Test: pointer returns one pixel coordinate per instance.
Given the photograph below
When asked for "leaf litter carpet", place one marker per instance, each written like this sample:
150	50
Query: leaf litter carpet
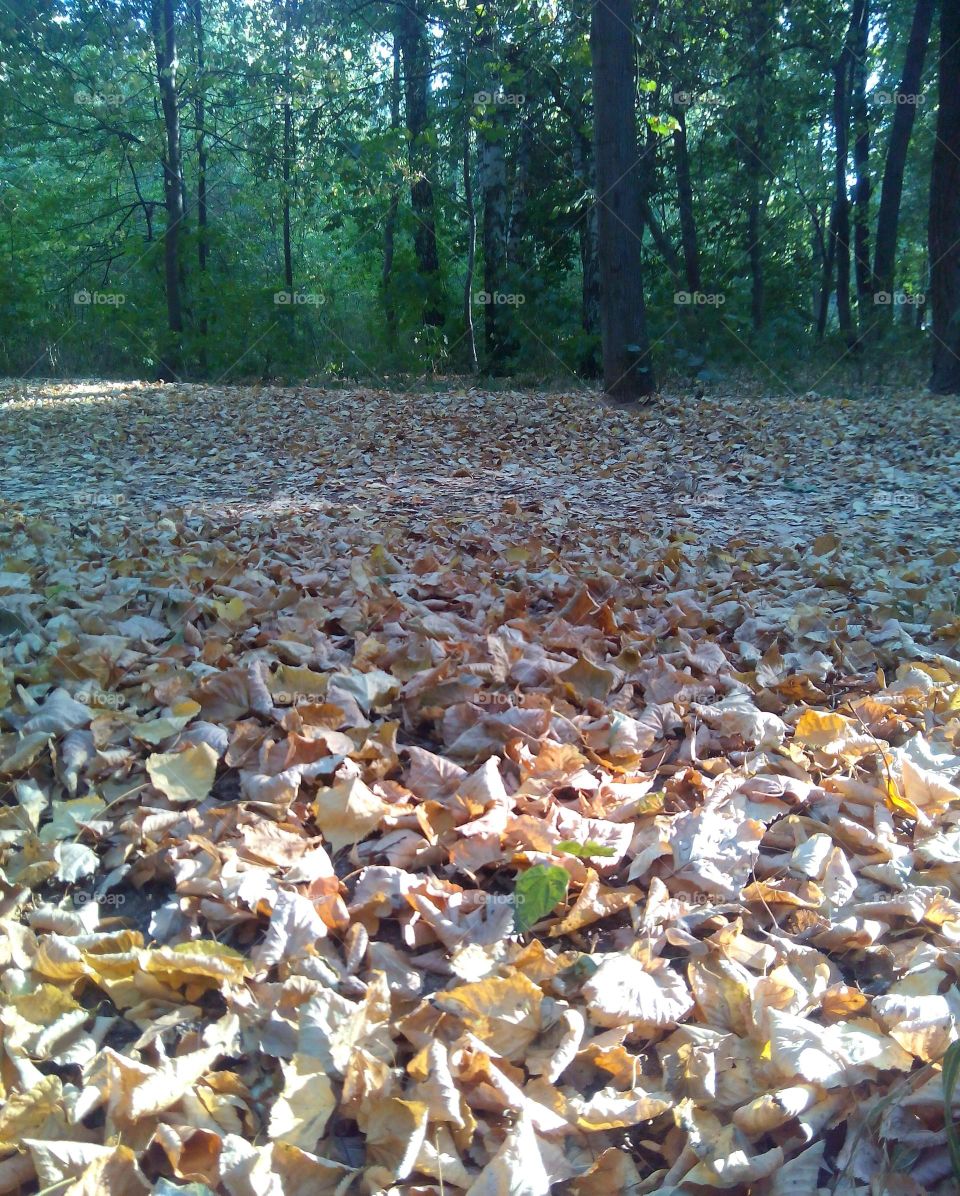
470	792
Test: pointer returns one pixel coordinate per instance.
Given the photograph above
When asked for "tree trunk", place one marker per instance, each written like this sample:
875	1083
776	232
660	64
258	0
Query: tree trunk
165	46
415	55
201	147
841	224
471	247
627	366
760	27
904	112
583	169
861	165
688	224
944	230
201	144
288	148
493	187
826	282
648	185
390	224
839	250
287	248
520	194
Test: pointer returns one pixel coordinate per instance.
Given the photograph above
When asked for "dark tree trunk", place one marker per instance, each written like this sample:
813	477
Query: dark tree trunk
165	46
201	144
390	224
660	239
471	247
760	28
520	194
288	147
470	210
648	186
688	224
493	185
904	112
861	165
583	169
839	251
826	281
627	366
201	147
841	201
493	188
944	233
415	55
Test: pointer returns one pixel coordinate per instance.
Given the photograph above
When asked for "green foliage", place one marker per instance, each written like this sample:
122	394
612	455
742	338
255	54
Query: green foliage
82	196
537	892
584	851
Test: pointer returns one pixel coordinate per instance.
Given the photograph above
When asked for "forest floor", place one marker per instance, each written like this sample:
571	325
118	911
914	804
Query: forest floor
470	791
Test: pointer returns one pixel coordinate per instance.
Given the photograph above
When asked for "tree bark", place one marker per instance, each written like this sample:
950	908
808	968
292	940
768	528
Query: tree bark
493	190
646	172
390	224
288	148
201	148
201	144
520	194
760	26
583	170
415	55
471	247
165	47
944	227
861	166
841	201
627	366
905	110
688	223
493	187
838	254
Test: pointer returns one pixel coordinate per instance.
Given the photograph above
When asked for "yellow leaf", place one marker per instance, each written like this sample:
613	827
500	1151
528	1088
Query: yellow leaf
348	812
586	680
503	1012
203	959
31	1114
291	684
834	734
300	1113
185	776
232	611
